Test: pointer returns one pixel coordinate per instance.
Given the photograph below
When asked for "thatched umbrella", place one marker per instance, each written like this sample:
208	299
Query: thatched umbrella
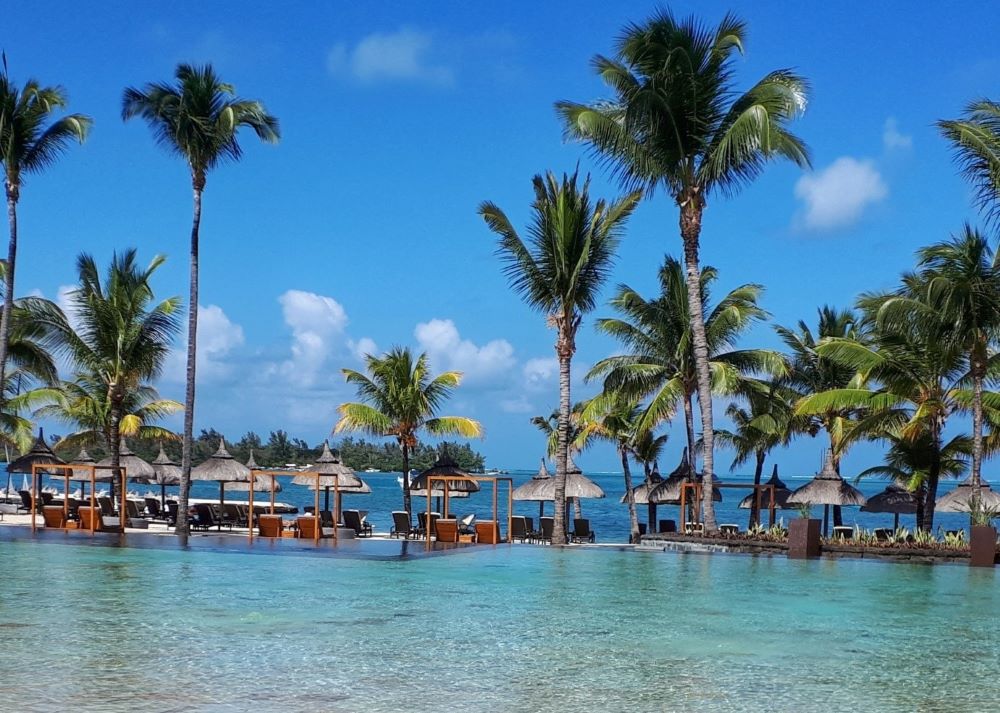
39	454
165	472
578	486
781	493
222	468
330	472
643	494
445	467
959	499
135	467
535	487
894	499
827	489
669	490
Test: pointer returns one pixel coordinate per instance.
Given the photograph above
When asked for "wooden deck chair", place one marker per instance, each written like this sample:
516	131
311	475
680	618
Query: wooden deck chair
54	516
91	518
307	528
446	530
488	532
269	525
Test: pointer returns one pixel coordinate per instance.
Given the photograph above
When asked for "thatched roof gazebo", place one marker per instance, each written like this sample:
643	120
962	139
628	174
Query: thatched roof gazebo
781	493
826	489
135	467
39	454
669	490
445	467
960	499
645	494
222	468
329	472
165	472
534	489
894	499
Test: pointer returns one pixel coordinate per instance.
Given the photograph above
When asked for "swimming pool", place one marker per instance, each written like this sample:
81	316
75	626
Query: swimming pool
507	628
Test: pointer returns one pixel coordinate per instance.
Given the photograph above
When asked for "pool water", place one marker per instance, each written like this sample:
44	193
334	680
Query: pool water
495	629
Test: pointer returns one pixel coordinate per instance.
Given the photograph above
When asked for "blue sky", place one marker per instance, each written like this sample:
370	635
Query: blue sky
359	230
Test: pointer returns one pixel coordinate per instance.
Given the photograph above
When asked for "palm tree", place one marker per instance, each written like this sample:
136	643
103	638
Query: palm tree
400	398
759	429
29	144
975	139
83	404
571	249
614	417
678	122
199	119
660	363
120	337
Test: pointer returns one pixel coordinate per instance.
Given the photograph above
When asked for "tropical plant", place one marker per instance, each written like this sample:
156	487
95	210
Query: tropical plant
571	248
975	139
29	144
118	339
549	426
199	119
659	363
678	123
614	417
400	398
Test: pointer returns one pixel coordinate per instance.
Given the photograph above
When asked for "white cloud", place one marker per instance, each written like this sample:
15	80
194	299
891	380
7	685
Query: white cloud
837	196
403	55
317	322
540	372
218	336
448	351
892	139
519	404
362	347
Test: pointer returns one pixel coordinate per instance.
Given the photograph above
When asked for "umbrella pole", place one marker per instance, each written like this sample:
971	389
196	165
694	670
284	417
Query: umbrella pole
222	501
826	518
163	497
326	498
895	522
315	512
250	515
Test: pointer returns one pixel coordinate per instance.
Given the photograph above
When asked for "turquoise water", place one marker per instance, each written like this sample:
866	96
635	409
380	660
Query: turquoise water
492	629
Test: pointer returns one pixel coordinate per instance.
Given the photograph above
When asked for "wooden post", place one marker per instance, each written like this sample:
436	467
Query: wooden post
93	500
316	520
122	513
336	508
34	489
773	504
683	509
250	514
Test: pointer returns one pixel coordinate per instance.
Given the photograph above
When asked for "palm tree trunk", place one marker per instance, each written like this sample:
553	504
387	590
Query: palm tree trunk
691	209
565	352
978	370
192	353
633	518
8	299
689	429
114	444
406	482
933	476
754	510
838	514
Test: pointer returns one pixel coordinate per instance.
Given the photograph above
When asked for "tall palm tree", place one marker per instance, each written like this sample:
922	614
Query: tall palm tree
975	139
659	363
571	248
83	404
400	398
30	142
614	417
120	335
678	122
199	119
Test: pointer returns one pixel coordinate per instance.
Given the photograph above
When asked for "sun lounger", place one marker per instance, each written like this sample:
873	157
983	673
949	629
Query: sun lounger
842	532
171	514
92	519
54	516
307	528
230	514
694	528
581	531
729	529
446	530
401	525
25	505
882	534
204	517
488	532
519	528
352	519
465	524
547	524
529	525
107	507
269	525
134	516
667	526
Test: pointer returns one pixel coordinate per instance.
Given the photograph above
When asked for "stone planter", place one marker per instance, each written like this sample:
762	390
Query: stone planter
983	546
803	538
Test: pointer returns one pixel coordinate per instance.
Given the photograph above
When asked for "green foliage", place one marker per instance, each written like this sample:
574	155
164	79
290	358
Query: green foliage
975	139
388	457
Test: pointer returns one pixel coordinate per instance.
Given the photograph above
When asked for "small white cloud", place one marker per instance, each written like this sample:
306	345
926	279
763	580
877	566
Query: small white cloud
316	322
837	196
449	352
519	404
362	347
218	336
540	372
403	55
892	139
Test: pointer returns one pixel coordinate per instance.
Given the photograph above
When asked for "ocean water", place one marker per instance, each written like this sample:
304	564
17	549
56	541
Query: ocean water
93	628
608	517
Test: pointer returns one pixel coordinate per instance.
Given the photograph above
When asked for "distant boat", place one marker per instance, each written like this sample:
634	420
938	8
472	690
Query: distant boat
496	471
370	469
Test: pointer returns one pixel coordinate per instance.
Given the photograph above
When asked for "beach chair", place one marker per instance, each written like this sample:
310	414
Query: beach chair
667	526
518	528
581	531
352	519
107	507
466	524
132	511
204	517
243	515
73	508
882	534
488	533
25	505
230	514
269	525
445	530
694	528
642	529
307	528
401	525
171	514
729	529
843	532
547	524
91	518
529	526
153	509
54	516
